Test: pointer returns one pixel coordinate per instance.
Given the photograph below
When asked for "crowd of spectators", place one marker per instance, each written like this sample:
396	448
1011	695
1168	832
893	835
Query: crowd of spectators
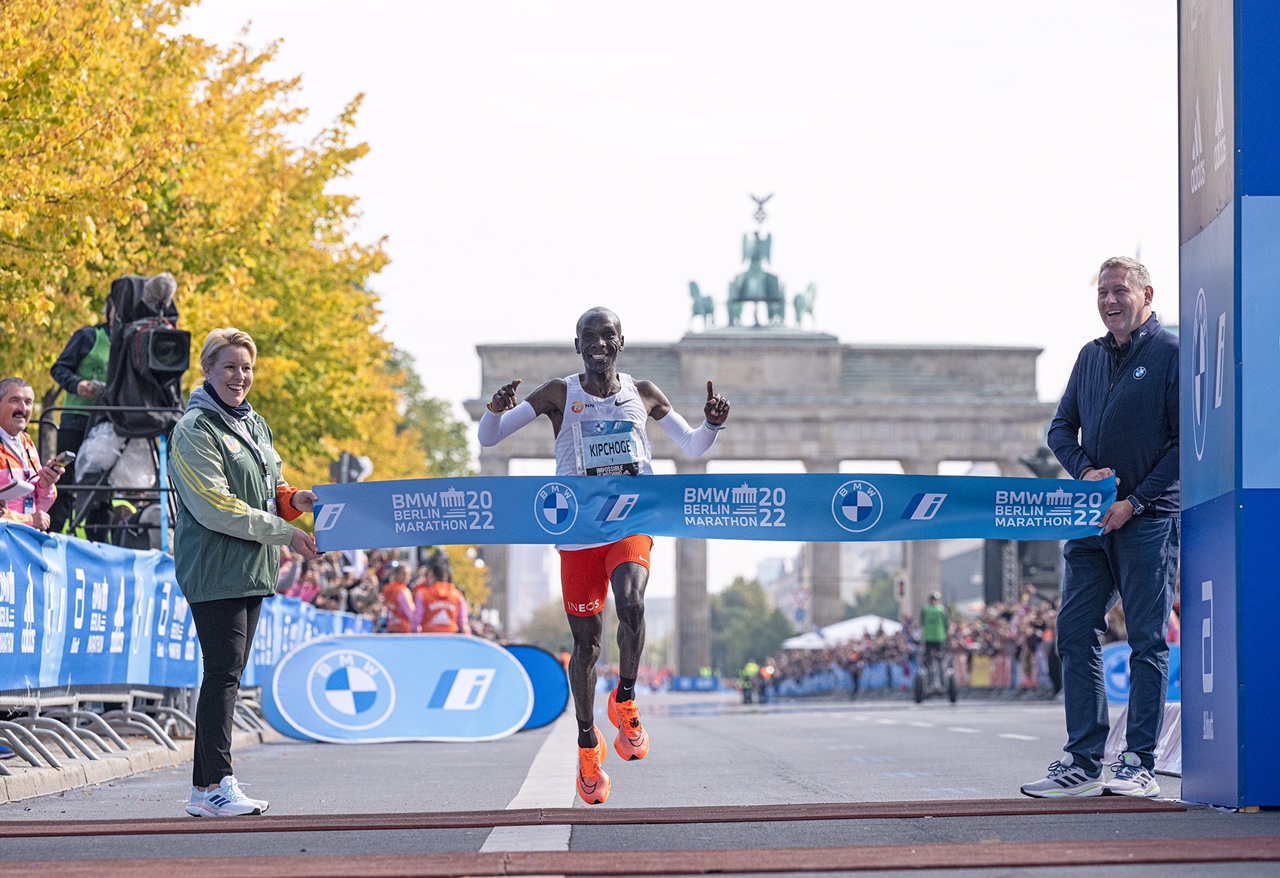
1003	646
354	582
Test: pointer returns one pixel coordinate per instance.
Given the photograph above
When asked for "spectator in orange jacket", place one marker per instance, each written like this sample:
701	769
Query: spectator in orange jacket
440	607
26	486
398	602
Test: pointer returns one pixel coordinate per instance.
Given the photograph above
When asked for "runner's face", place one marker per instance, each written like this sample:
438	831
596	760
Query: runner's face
232	374
599	341
16	408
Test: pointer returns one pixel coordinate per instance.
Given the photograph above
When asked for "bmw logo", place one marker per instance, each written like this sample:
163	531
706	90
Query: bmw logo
1200	374
1140	372
857	506
350	690
555	508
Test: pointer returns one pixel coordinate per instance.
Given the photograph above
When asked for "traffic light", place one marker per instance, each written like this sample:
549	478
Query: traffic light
349	468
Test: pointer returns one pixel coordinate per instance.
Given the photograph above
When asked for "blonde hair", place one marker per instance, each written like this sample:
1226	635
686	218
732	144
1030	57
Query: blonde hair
221	339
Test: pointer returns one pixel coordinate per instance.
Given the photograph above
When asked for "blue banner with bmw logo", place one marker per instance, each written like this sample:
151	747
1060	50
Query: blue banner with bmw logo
811	507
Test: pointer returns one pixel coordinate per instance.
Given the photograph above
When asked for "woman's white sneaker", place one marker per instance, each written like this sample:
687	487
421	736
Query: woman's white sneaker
227	800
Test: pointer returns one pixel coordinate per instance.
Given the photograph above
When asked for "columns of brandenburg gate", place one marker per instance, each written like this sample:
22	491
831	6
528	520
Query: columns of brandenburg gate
822	562
693	610
924	564
497	558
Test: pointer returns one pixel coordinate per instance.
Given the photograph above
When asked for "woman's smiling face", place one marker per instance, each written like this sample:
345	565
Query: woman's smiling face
232	374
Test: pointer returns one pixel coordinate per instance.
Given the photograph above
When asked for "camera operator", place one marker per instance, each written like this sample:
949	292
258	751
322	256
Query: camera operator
81	370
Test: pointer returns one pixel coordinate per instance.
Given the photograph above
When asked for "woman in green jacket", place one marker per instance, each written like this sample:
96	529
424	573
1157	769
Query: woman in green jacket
234	510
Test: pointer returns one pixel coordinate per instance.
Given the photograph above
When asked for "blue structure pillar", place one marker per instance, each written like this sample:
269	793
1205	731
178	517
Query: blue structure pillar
1229	142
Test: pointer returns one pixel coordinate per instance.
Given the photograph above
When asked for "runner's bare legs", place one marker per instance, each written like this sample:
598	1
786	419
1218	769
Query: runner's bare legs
629	581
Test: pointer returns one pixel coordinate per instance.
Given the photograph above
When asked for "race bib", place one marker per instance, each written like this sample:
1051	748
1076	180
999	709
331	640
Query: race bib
606	448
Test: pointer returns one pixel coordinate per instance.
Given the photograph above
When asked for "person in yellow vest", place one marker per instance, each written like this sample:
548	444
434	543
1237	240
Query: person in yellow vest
439	606
81	370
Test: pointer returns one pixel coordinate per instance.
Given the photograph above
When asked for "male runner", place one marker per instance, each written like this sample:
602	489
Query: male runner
603	400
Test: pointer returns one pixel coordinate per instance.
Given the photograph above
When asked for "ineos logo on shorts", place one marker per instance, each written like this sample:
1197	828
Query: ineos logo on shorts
857	506
555	508
327	517
350	690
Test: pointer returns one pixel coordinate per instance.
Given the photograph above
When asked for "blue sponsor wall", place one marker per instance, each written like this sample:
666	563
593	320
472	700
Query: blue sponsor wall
79	613
1229	144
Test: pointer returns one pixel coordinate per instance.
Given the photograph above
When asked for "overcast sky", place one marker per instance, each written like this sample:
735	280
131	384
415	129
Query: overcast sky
943	172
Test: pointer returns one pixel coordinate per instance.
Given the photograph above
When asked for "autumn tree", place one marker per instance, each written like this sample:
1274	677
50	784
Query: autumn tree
744	626
128	147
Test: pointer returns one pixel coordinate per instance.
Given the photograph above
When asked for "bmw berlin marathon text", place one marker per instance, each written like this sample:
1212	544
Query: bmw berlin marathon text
447	510
1058	508
744	506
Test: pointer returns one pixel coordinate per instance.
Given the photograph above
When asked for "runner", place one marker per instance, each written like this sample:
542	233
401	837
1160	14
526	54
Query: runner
601	401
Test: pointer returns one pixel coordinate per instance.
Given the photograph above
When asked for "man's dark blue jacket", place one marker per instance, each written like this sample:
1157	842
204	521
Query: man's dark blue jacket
1120	410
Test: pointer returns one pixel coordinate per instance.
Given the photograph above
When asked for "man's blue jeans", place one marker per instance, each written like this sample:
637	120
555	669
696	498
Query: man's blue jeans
1139	563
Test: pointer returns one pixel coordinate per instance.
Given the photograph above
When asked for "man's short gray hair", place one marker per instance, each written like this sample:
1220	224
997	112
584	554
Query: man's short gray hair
4	384
1138	273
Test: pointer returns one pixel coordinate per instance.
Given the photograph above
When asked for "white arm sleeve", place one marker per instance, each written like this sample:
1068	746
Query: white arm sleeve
692	440
495	428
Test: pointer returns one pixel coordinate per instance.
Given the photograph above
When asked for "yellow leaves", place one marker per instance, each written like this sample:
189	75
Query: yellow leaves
136	150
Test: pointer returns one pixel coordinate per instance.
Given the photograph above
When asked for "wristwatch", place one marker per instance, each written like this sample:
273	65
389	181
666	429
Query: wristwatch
1138	508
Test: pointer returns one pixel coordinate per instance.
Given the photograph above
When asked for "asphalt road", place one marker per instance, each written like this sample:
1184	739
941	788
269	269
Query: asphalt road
709	751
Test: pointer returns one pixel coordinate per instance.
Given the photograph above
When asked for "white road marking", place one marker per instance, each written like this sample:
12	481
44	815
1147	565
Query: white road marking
920	725
1014	737
549	784
964	730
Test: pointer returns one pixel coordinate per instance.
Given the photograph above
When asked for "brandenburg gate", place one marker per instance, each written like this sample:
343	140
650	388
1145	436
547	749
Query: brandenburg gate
801	395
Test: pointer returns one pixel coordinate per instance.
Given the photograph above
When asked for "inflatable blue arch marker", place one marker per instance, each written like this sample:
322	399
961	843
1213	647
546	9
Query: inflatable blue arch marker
370	688
550	683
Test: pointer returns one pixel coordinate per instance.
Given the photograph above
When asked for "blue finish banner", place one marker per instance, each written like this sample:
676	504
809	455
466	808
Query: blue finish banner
812	507
74	613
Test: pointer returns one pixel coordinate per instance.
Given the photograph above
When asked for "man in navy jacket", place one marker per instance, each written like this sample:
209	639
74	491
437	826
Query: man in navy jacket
1118	419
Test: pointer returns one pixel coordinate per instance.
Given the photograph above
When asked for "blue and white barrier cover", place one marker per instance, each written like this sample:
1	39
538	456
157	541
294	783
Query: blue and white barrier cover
398	687
811	507
74	612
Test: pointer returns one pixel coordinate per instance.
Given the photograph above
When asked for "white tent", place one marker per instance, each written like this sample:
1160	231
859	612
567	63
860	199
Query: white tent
859	628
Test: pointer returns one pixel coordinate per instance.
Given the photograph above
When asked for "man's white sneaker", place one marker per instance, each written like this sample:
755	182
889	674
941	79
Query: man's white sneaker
228	800
1131	779
1065	779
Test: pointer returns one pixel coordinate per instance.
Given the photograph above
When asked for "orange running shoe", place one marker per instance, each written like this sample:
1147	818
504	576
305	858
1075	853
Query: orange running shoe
593	783
633	741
